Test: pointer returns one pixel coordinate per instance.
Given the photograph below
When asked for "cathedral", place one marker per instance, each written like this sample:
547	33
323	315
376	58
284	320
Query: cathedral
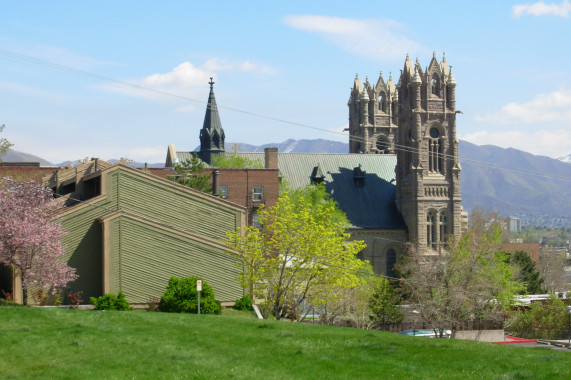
400	182
416	120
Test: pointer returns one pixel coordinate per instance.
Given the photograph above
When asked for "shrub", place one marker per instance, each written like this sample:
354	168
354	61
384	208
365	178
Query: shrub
111	302
181	297
74	298
244	303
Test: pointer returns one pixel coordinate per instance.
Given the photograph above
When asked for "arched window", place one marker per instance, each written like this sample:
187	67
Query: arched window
383	144
391	261
431	239
435	85
434	151
443	222
382	102
408	151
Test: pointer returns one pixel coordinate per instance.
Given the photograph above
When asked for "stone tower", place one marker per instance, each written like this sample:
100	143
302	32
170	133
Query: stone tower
211	134
416	119
428	170
372	116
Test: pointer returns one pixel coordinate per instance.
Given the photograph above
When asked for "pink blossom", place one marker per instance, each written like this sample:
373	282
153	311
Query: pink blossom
29	238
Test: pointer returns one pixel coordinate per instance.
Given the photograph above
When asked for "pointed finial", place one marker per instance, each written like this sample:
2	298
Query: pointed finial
417	61
356	75
434	54
211	83
444	56
390	75
407	56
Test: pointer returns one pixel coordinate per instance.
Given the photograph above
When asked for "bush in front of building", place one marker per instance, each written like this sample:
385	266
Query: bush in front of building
111	302
181	296
244	304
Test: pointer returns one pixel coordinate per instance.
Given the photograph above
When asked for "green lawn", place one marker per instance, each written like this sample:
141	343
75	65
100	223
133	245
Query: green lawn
50	343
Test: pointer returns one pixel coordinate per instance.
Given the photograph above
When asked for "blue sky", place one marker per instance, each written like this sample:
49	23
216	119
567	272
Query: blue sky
64	67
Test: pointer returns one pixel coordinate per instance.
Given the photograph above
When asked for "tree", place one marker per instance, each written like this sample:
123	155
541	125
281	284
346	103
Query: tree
236	162
552	269
384	303
471	281
301	250
190	173
349	305
540	321
526	272
30	242
4	144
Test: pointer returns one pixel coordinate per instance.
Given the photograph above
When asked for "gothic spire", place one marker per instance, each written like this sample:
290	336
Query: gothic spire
211	134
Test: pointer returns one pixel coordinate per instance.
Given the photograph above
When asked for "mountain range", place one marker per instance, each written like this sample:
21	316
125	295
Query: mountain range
513	182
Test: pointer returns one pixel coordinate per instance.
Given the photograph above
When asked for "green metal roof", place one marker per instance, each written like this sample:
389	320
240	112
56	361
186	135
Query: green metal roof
368	200
370	205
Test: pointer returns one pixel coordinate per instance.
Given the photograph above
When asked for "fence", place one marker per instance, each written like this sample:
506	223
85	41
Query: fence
463	326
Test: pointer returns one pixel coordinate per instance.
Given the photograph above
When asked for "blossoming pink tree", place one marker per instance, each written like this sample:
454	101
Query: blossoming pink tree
30	241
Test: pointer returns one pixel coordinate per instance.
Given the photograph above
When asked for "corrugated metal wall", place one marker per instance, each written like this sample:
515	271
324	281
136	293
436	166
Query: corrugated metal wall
165	204
149	256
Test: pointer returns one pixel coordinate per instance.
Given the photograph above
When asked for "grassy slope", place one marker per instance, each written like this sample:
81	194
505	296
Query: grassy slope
58	343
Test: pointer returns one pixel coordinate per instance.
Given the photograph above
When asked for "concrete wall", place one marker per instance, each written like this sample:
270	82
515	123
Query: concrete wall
481	335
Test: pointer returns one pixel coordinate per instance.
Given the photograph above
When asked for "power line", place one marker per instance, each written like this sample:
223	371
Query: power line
17	57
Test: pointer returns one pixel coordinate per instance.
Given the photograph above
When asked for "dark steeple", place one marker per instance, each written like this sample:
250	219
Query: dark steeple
211	134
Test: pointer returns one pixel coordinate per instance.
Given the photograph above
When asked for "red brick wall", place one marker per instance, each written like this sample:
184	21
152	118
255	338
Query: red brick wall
24	172
240	184
532	249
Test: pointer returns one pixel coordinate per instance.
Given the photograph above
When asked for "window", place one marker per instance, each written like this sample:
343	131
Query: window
382	102
223	192
256	221
391	261
443	226
431	229
434	151
383	143
435	84
258	192
91	188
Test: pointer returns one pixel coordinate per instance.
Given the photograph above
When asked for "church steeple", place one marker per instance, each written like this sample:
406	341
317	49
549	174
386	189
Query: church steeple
211	135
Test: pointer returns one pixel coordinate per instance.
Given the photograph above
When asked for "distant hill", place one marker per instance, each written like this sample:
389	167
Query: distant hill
515	182
292	146
15	156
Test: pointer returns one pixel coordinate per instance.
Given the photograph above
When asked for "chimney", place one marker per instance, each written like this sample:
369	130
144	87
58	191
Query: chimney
215	186
271	158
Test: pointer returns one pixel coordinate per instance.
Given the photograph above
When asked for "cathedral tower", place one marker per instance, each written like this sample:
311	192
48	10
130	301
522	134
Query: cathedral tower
428	170
416	120
211	134
372	116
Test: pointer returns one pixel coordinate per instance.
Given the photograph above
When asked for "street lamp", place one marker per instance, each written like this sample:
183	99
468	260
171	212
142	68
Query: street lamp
569	325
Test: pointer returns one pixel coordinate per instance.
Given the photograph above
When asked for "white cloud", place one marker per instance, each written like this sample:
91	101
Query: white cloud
551	143
541	9
184	75
551	107
378	39
183	79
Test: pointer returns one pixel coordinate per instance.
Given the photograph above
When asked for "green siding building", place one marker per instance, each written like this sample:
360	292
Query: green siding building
129	230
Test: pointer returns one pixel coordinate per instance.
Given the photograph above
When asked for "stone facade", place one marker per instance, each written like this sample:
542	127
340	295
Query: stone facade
416	120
